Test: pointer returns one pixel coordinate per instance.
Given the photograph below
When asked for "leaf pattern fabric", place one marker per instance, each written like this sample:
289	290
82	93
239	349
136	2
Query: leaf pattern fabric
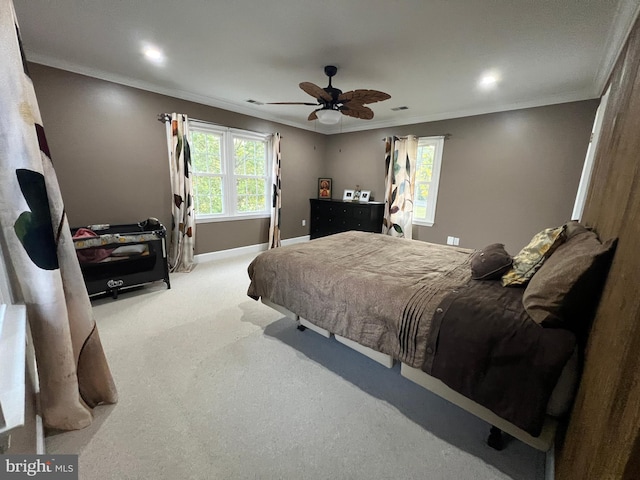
37	248
400	173
274	226
183	221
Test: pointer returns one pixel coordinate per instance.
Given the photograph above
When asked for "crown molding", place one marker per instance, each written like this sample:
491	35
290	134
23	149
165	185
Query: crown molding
315	127
585	94
150	87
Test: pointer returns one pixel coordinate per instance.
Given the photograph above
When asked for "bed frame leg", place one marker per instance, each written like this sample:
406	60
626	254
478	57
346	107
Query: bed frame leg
495	438
302	328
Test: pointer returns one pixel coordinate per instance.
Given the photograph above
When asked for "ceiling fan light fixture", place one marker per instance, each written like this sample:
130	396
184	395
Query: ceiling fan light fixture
328	116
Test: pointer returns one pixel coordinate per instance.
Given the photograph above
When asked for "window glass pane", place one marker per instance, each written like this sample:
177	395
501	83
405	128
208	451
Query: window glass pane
421	200
205	152
213	153
424	169
208	195
422	192
249	157
251	197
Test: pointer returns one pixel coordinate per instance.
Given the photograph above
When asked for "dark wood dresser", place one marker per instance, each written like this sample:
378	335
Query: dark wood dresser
335	216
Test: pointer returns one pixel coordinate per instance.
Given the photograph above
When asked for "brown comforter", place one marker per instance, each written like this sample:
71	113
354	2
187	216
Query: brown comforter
488	349
416	302
376	290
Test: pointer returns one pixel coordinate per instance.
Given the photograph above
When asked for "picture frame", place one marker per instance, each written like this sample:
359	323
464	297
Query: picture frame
364	196
348	195
325	188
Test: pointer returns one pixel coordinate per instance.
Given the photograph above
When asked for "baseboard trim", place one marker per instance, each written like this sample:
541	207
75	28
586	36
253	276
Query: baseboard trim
235	252
291	241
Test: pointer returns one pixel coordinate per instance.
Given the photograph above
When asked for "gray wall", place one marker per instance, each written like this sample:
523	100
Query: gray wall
504	177
110	154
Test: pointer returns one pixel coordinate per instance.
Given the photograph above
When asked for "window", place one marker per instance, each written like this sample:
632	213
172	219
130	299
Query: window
427	178
587	168
230	170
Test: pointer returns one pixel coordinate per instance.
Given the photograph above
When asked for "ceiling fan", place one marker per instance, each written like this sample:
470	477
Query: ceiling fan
333	102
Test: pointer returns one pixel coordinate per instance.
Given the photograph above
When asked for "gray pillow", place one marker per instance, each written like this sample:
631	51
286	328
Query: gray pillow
490	263
563	289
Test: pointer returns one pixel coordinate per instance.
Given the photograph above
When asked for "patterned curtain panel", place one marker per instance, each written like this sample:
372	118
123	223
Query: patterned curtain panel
183	221
274	227
39	253
400	167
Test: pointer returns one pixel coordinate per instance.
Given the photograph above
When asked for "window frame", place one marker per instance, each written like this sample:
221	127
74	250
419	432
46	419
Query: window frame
438	143
227	160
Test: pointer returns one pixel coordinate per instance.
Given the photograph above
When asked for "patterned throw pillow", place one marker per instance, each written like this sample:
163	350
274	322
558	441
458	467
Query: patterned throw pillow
530	258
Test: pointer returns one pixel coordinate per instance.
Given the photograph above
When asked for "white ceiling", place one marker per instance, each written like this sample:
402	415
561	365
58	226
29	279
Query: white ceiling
427	54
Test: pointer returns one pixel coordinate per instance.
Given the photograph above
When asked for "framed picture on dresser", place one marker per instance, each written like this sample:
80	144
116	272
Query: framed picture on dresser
348	195
365	195
324	188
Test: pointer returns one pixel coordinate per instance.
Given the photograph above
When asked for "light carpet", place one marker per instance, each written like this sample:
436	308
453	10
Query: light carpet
214	385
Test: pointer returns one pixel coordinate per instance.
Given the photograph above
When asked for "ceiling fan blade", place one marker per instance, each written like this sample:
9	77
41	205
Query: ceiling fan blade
315	91
363	96
292	103
312	115
357	110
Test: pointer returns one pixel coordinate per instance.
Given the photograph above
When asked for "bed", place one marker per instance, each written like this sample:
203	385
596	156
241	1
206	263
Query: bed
443	312
117	257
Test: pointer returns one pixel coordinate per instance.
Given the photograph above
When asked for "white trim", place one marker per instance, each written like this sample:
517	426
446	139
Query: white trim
281	309
438	143
294	240
169	92
227	136
585	94
587	168
550	463
13	345
230	253
235	252
381	358
307	324
316	127
220	218
543	442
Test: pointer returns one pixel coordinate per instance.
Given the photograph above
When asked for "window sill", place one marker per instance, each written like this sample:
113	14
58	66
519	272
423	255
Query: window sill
422	224
252	216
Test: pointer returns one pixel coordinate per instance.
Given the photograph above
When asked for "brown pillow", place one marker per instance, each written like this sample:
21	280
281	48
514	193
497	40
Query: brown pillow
573	228
490	263
564	288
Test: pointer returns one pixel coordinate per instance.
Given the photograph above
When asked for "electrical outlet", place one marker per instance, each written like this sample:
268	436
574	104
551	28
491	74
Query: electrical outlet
450	240
304	223
456	241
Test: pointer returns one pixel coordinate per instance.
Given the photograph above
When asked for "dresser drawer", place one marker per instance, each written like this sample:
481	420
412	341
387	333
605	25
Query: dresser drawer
335	216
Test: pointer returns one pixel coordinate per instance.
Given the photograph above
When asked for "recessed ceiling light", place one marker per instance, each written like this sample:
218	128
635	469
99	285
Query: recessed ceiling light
488	81
153	54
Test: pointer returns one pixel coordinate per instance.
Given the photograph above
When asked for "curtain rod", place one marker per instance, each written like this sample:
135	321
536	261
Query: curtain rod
446	136
166	117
